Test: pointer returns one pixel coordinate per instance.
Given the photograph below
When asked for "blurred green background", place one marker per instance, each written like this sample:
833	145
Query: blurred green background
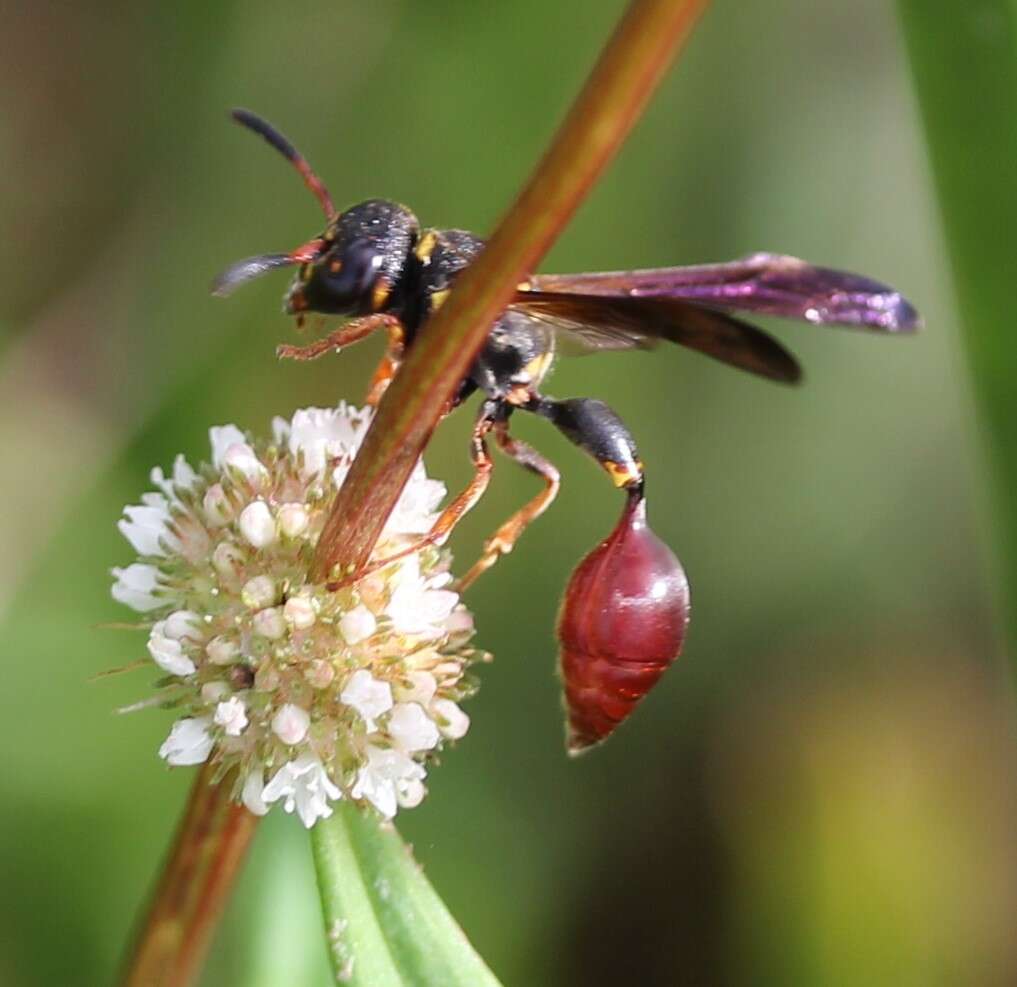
820	792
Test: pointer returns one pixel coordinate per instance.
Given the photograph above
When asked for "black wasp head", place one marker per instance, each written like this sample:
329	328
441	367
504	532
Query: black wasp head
353	267
360	263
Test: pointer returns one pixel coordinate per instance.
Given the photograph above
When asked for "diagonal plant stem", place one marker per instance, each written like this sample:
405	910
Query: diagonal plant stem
203	863
615	94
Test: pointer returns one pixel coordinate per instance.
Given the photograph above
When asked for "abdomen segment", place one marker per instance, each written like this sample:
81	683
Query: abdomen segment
622	622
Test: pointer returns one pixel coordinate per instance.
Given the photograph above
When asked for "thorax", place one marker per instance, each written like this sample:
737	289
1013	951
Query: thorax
519	350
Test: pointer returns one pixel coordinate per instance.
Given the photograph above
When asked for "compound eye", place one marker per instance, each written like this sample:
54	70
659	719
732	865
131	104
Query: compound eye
351	268
342	280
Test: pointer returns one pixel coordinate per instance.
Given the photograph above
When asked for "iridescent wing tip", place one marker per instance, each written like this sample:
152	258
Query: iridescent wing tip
839	298
767	284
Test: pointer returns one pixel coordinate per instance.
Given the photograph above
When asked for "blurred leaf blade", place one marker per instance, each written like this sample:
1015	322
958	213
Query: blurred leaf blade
964	62
385	923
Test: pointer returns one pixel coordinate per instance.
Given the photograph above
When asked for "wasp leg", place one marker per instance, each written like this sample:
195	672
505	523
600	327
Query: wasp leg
504	539
345	335
482	465
389	365
598	431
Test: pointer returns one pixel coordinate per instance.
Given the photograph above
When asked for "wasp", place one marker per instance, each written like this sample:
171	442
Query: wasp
626	608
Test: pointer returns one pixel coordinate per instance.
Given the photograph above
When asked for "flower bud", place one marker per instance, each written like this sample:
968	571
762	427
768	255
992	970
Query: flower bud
222	651
451	720
357	625
417	687
269	623
291	723
299	613
260	592
216	506
411	793
320	674
293	520
460	621
228	560
240	456
257	524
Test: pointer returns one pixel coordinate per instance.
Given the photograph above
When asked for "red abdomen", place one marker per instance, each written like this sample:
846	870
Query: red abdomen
622	622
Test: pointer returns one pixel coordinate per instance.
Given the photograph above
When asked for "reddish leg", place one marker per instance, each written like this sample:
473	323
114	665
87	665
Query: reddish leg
345	335
455	511
504	539
389	365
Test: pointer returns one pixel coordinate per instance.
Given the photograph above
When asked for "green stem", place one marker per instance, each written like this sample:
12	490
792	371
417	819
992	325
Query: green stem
614	96
385	924
964	61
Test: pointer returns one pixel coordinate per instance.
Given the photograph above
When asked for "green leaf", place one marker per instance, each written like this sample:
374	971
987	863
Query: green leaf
386	925
964	61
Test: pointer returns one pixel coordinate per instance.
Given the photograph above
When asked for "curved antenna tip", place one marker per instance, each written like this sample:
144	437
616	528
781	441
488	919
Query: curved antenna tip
264	129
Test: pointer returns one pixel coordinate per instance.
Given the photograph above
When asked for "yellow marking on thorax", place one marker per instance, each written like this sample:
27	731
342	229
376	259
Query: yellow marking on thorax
425	246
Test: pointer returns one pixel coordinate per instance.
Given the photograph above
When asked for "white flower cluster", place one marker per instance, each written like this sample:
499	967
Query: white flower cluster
312	695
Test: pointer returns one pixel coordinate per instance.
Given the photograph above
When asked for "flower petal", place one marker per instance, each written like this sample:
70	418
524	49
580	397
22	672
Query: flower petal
358	624
146	527
383	776
305	786
189	742
231	715
251	795
167	652
411	729
452	721
221	437
136	586
369	696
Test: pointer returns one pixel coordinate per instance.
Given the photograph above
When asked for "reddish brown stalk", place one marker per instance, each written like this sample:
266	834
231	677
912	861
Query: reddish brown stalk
196	880
615	94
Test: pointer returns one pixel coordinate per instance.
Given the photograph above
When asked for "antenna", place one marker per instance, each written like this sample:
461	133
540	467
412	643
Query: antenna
262	127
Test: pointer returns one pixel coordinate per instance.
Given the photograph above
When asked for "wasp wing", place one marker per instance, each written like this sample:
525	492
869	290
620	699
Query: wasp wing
770	284
592	323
